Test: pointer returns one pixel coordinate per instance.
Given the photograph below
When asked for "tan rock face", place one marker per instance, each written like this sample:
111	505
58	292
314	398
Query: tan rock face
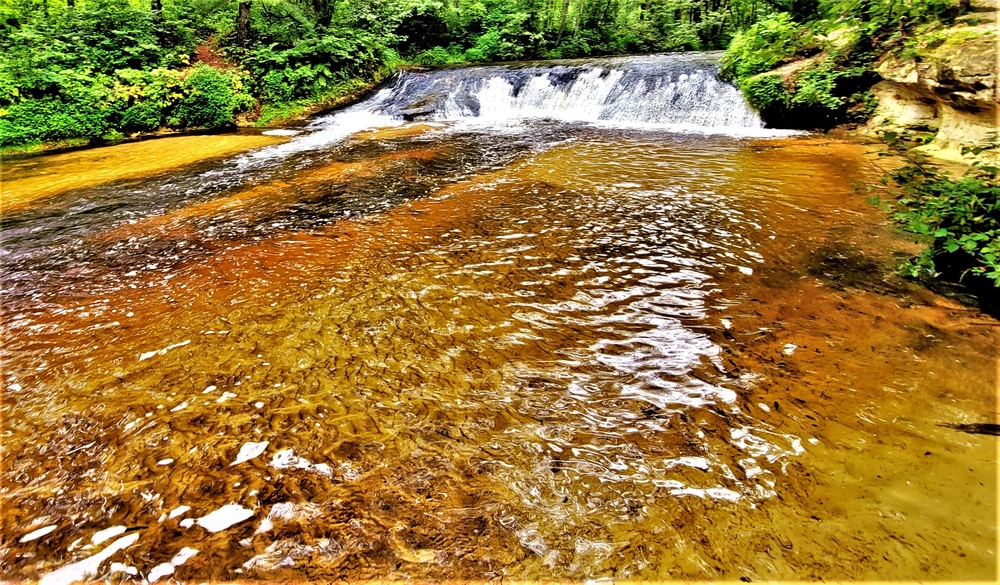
949	87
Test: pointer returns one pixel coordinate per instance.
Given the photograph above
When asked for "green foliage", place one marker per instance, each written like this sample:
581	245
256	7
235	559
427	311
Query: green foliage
493	45
46	57
816	87
762	46
208	18
844	39
438	56
102	67
861	106
211	99
48	119
961	218
879	17
141	118
765	91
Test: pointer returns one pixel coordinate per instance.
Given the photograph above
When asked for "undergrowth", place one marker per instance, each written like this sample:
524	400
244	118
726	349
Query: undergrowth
832	58
959	218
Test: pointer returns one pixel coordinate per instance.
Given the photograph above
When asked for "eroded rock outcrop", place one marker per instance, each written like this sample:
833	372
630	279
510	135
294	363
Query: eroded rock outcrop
945	87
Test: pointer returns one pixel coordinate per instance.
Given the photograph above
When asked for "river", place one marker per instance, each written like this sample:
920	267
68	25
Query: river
587	320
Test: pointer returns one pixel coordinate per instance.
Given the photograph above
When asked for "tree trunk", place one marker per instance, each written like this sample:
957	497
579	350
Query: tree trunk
243	23
604	16
562	23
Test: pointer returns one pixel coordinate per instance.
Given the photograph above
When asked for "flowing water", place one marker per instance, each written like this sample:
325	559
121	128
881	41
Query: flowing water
546	321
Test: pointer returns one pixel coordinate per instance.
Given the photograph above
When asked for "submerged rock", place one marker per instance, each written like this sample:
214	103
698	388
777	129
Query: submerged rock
423	108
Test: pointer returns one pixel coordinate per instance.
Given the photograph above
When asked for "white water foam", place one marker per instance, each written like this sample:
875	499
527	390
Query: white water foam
325	132
224	517
88	567
672	93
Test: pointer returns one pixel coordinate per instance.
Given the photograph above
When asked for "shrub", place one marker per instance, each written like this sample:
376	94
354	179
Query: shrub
476	55
762	46
435	56
493	45
684	37
815	87
160	88
575	46
141	118
51	119
274	87
765	91
961	217
211	99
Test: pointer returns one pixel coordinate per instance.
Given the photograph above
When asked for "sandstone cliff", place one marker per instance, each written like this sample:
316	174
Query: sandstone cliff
944	87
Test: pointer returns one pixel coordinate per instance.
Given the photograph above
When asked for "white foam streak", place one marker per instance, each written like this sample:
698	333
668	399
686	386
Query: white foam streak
88	567
328	130
249	451
108	533
224	517
36	534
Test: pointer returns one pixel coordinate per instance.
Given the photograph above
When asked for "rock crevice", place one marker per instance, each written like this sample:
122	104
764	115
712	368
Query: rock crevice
945	89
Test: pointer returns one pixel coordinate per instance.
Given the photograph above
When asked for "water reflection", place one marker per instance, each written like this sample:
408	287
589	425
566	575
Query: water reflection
437	355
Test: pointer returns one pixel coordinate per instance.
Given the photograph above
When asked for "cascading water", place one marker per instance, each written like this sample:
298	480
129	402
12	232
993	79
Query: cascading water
675	92
662	90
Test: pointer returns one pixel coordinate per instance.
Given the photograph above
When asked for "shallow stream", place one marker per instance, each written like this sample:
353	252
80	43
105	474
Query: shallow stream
537	343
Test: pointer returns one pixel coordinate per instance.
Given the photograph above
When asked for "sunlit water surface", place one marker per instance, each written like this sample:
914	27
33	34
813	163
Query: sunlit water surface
555	351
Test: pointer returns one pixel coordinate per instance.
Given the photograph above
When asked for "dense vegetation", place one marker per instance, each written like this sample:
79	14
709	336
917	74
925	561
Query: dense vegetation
100	68
959	219
813	67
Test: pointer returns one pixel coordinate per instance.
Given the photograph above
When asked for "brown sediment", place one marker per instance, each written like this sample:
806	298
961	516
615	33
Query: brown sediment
264	199
275	266
207	54
28	180
439	358
396	132
874	373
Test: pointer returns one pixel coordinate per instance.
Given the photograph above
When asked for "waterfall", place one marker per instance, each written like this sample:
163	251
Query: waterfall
681	90
678	92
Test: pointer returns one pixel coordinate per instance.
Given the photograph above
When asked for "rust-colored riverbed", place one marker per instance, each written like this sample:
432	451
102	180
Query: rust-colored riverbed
559	352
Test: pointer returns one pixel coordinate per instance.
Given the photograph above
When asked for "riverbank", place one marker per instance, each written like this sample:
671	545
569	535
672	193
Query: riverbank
27	180
923	77
262	116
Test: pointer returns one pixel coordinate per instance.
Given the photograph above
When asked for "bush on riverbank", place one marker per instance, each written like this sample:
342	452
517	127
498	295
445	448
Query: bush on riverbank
102	68
129	101
960	219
